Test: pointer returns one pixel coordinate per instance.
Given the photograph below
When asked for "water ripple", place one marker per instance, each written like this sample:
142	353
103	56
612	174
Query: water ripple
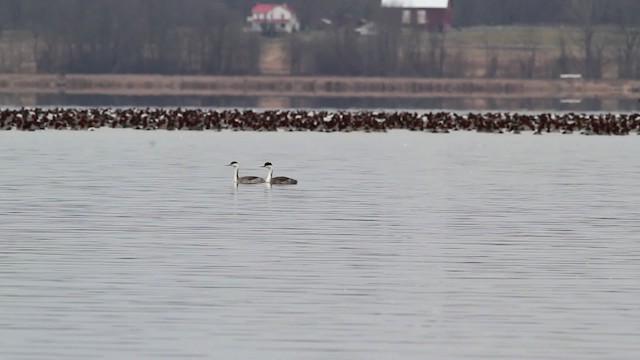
392	245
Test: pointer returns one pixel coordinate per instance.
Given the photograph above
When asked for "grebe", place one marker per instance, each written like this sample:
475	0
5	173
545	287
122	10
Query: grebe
244	179
279	180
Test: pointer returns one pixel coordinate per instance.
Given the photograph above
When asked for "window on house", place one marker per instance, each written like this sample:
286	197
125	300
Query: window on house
406	16
422	17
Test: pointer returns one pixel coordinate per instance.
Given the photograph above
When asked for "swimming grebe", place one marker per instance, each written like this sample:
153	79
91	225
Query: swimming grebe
279	180
244	179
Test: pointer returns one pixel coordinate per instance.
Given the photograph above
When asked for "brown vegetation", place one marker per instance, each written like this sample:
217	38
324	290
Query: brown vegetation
313	86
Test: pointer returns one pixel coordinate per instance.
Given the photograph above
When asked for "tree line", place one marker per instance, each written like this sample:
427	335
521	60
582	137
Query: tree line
208	37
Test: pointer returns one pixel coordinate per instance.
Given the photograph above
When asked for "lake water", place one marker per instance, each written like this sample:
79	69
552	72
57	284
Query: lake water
458	103
122	244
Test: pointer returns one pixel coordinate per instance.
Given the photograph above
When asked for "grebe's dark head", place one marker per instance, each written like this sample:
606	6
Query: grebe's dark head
267	165
233	163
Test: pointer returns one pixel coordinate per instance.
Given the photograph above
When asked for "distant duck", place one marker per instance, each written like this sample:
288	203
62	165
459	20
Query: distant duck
244	179
279	180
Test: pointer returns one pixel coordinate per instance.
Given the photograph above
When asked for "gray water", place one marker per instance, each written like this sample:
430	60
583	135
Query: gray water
447	103
122	244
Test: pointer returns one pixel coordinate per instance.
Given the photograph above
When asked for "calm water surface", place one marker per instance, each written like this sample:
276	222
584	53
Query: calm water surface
122	244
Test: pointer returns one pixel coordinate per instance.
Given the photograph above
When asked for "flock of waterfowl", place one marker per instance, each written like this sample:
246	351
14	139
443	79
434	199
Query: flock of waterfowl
32	119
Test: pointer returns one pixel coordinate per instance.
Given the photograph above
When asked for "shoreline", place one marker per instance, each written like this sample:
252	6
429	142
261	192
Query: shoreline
314	86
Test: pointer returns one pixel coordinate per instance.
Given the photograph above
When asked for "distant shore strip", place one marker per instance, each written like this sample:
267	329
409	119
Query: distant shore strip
314	86
32	119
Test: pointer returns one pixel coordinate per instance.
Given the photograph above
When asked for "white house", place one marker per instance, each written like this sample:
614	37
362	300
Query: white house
273	18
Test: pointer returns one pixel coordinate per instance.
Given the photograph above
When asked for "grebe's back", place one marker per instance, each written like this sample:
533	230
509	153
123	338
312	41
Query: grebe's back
278	180
244	179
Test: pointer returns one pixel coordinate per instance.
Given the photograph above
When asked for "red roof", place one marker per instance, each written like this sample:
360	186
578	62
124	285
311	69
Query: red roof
265	8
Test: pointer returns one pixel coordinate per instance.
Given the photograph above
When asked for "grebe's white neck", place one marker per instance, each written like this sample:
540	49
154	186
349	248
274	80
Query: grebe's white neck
269	174
236	171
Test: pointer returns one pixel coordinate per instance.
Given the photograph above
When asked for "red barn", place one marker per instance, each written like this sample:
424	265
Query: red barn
433	15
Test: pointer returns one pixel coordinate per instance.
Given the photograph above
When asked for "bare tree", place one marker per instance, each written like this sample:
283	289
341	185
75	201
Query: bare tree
586	14
385	47
412	50
628	52
528	63
491	58
564	61
437	53
388	55
628	49
456	66
339	53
